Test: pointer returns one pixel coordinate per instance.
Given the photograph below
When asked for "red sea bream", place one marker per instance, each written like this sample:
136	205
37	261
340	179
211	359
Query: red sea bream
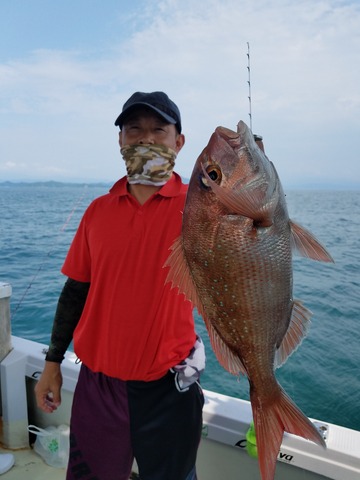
233	260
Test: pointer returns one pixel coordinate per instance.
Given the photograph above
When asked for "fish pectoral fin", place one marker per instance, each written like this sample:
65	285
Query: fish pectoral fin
305	243
251	201
227	359
179	274
297	330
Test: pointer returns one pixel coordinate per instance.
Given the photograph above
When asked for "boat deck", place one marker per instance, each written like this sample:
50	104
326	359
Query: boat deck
30	466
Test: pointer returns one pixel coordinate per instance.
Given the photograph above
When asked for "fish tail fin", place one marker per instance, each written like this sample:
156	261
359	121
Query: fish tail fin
270	423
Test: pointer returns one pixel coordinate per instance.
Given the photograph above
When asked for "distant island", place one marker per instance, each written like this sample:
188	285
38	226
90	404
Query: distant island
53	183
335	186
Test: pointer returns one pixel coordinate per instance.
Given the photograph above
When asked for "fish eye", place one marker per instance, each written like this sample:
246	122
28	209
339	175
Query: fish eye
214	173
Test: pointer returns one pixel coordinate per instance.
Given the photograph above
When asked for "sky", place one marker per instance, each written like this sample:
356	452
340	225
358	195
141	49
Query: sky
67	67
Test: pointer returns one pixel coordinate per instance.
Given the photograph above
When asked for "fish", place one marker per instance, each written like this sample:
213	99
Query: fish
233	261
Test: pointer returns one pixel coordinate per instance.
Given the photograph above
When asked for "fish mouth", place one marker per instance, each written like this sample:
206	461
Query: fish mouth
231	137
211	168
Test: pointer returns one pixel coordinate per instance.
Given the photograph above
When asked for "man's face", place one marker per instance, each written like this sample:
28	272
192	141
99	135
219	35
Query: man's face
143	126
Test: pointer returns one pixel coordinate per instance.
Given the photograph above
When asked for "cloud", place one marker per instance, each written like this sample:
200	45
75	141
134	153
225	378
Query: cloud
59	106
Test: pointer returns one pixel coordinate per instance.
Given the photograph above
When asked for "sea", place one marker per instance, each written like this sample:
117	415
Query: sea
38	222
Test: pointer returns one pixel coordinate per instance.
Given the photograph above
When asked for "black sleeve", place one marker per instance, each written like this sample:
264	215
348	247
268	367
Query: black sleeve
68	312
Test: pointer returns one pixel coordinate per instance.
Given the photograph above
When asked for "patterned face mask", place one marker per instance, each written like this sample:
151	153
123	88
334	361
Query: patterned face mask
148	164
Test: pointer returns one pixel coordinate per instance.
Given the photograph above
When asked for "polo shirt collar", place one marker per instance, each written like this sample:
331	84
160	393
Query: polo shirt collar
171	188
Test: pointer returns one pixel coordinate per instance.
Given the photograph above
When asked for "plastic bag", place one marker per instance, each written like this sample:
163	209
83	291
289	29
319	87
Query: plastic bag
52	444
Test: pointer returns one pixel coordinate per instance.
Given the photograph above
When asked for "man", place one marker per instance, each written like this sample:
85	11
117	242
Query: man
137	395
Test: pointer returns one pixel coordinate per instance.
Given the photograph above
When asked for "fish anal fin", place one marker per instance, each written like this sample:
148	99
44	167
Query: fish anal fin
297	330
179	274
226	357
271	420
305	243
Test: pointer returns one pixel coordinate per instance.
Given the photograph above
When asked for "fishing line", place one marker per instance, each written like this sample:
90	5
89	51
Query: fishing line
62	229
249	85
258	138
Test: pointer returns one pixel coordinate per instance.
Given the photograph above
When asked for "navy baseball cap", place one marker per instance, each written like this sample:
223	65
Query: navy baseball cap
159	102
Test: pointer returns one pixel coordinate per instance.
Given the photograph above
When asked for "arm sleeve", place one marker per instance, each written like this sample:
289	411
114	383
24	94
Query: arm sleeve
68	312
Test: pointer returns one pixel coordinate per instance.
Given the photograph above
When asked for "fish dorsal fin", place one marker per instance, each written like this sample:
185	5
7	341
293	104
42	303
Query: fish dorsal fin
179	274
227	359
305	243
252	201
298	328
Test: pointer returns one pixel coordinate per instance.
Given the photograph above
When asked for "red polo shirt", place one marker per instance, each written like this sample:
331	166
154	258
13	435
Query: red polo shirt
134	326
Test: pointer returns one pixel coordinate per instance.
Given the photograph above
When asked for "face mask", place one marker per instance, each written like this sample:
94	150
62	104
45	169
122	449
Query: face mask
148	164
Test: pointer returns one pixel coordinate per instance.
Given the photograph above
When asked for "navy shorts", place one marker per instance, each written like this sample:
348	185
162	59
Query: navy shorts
113	422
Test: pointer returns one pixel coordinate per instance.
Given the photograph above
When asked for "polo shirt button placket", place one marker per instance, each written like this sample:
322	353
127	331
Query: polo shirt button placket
139	223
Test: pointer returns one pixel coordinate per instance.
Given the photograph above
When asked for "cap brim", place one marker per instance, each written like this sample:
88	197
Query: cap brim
120	119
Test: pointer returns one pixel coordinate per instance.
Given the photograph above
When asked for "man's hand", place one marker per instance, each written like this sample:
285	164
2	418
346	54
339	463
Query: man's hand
47	389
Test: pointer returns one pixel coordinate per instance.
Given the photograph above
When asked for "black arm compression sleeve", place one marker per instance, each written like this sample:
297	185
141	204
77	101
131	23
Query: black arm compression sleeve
68	312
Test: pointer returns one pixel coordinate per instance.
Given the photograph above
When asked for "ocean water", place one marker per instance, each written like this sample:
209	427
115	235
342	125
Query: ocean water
37	225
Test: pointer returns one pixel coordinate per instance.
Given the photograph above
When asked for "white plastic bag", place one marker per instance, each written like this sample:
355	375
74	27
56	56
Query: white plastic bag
52	444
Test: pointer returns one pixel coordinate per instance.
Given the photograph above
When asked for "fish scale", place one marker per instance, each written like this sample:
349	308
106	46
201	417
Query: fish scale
233	260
